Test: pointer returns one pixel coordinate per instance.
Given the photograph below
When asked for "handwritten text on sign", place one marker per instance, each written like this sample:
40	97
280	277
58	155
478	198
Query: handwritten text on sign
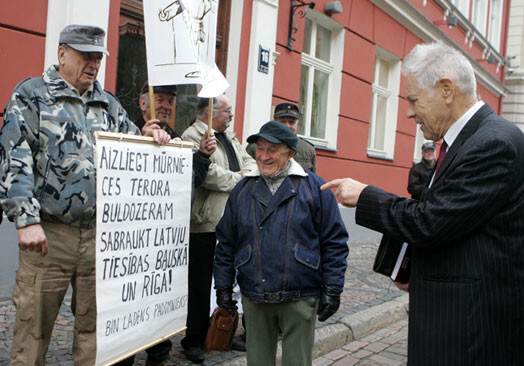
143	207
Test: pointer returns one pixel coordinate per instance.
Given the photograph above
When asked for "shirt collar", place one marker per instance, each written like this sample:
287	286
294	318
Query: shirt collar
87	94
204	126
455	128
59	87
294	169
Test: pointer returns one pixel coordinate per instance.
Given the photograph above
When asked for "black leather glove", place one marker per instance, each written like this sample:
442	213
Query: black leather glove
328	303
225	299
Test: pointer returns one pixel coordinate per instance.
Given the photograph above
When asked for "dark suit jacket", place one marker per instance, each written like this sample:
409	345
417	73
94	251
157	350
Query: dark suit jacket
467	235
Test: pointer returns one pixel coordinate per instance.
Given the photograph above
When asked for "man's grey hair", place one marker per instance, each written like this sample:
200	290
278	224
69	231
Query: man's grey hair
203	106
427	63
145	97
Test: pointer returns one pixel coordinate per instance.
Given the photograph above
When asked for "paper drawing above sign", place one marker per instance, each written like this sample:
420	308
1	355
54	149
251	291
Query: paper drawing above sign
188	26
181	42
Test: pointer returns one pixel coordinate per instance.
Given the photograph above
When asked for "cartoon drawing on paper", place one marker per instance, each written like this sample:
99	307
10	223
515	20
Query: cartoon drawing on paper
189	31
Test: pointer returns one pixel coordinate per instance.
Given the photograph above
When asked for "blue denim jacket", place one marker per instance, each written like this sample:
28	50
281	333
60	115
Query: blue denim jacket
281	247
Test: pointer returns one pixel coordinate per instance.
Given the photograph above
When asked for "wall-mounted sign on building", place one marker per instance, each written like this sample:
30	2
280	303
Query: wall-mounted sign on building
263	59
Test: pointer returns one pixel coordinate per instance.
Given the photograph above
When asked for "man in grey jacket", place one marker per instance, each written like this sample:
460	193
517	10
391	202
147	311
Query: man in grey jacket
47	187
229	163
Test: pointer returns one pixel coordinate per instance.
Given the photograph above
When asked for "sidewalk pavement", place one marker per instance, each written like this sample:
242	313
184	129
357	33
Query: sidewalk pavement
369	302
387	346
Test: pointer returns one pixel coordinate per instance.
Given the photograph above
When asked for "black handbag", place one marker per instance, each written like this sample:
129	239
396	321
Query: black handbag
393	259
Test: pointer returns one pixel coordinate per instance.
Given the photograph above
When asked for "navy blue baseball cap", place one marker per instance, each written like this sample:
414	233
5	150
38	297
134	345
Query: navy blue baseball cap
168	89
286	110
428	146
276	133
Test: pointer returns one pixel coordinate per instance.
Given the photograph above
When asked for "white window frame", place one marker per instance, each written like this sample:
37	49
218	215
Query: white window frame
462	6
479	20
391	93
419	141
495	23
334	70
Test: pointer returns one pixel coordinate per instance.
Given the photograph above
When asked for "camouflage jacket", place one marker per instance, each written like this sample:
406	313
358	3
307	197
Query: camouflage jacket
47	150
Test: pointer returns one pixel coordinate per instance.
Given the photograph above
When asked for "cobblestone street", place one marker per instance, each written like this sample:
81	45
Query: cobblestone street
363	289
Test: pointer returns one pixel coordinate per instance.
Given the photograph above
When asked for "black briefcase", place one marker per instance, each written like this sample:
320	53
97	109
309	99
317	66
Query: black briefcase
393	259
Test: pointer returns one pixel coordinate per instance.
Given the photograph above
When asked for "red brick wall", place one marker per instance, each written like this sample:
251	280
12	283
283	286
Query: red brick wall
22	44
366	26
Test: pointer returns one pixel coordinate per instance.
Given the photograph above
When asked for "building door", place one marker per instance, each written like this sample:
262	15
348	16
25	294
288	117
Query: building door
132	67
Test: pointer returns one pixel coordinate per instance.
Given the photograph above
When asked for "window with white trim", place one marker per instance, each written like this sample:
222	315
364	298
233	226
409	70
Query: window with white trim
479	13
320	80
495	23
384	105
419	140
462	6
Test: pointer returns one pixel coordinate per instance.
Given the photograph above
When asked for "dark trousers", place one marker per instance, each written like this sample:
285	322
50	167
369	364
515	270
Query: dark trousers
157	353
201	254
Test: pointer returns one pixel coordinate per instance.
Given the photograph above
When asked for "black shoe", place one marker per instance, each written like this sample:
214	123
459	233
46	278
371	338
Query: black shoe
194	354
238	345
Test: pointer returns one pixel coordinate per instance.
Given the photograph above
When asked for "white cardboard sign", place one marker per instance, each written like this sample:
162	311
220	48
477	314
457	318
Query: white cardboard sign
142	238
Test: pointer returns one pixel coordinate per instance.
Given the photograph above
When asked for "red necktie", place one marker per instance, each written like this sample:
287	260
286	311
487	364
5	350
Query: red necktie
441	155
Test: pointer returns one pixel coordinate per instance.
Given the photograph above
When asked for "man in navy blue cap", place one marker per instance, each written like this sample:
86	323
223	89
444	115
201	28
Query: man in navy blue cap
284	240
287	114
420	172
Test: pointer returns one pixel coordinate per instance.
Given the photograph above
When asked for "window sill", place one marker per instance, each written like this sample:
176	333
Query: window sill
325	148
376	155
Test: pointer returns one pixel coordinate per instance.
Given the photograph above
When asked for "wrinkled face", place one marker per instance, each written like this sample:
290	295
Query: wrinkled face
80	69
429	111
223	116
272	158
163	107
428	154
290	122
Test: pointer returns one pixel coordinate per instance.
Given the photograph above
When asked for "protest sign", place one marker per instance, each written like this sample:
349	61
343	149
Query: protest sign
142	237
180	44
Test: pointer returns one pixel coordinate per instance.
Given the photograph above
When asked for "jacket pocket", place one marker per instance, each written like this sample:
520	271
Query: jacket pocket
307	257
243	256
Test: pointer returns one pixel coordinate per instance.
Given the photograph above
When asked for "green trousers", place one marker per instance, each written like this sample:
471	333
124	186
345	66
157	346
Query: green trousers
296	319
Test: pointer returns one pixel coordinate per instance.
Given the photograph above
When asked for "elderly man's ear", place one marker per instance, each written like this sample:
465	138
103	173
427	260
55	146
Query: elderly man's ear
142	104
447	88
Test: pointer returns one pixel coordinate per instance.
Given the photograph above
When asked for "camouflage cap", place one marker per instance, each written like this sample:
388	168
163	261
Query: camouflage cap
83	38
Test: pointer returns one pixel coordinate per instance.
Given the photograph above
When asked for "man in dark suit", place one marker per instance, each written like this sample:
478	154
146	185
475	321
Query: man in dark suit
467	233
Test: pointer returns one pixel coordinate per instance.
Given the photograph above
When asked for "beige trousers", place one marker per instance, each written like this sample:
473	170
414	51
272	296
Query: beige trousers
41	284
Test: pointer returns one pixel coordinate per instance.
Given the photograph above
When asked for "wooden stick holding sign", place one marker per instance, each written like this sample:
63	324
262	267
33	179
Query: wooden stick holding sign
210	119
152	102
173	114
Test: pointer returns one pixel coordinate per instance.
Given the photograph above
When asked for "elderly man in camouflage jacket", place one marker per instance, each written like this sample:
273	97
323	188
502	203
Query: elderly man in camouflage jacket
47	187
